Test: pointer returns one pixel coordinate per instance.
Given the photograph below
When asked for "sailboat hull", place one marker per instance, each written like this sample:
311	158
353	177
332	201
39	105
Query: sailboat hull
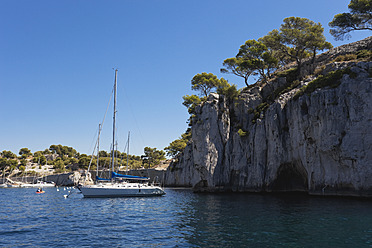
120	190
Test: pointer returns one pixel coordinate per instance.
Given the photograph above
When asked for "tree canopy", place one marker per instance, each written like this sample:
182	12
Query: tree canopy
39	158
256	57
4	162
237	67
177	146
152	157
205	82
63	150
359	18
25	151
66	156
253	58
191	101
8	154
317	41
297	39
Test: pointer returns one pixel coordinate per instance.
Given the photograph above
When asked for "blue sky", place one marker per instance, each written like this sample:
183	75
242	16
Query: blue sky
56	60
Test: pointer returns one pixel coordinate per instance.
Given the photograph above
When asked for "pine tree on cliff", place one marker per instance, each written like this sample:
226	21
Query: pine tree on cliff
297	39
253	58
205	82
359	18
237	67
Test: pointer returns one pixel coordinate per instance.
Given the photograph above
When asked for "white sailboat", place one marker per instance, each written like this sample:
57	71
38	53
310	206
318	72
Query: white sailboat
25	183
41	183
44	184
3	184
119	185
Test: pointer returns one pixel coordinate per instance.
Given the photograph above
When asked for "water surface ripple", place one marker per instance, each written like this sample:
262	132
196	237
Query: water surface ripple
182	219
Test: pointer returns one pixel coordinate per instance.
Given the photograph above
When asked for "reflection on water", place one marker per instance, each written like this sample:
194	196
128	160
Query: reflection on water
183	219
281	221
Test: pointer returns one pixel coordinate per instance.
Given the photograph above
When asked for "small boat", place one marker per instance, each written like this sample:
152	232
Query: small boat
46	184
12	184
27	185
38	184
119	185
40	191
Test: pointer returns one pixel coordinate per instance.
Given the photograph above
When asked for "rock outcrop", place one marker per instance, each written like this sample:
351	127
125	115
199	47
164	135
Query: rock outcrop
318	142
70	179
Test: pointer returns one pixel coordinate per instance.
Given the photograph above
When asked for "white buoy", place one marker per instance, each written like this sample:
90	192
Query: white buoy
57	189
65	196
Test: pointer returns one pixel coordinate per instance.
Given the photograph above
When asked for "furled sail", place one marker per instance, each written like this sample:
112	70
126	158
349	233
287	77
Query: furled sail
102	179
114	174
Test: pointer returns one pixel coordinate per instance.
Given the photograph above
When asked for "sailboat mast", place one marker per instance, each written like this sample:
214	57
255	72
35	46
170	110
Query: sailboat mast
99	134
128	152
114	121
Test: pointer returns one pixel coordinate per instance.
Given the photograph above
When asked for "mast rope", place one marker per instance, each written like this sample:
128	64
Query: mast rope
103	120
134	117
96	144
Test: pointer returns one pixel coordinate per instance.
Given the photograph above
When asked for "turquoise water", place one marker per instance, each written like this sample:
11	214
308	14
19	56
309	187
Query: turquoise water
182	219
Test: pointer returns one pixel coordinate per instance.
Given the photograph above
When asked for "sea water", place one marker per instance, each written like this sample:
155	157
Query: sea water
182	218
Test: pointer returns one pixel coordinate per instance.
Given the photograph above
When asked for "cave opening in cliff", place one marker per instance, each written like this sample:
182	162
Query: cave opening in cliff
290	177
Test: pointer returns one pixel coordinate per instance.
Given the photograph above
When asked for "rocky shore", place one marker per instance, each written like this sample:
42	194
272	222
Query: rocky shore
81	177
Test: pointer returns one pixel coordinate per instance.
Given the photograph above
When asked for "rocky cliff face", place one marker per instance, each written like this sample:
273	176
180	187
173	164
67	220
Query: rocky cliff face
70	179
318	142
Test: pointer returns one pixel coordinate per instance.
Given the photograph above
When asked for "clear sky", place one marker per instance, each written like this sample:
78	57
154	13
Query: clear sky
56	60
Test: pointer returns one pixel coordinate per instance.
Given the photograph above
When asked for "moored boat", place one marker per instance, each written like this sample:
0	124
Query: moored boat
119	185
124	189
3	185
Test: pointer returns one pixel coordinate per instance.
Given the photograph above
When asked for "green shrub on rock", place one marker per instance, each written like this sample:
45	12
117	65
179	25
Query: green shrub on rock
332	80
242	133
364	54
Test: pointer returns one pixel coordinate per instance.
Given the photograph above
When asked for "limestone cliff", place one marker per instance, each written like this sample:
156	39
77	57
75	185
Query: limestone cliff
286	136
